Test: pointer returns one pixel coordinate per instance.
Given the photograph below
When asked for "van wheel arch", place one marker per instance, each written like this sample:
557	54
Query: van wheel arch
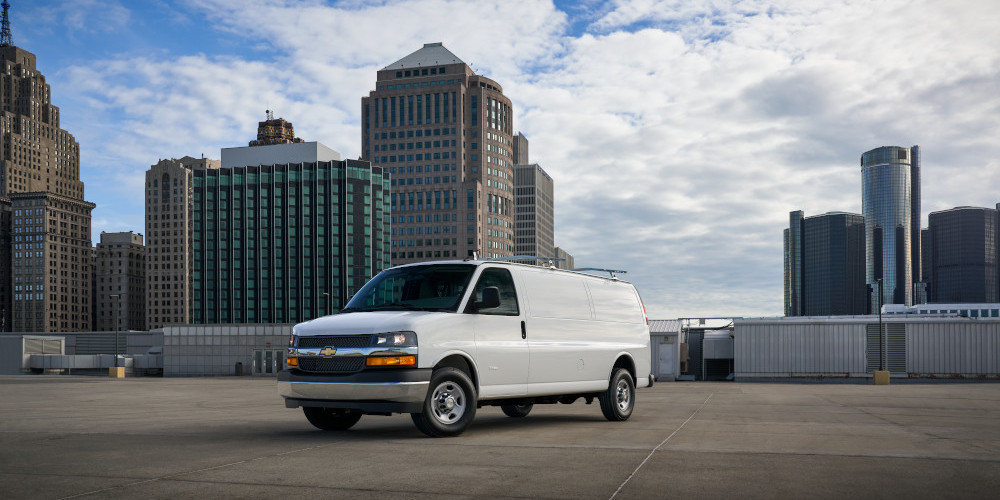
624	361
460	362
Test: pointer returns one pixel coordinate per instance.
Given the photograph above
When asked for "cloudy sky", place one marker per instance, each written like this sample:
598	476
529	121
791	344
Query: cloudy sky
679	133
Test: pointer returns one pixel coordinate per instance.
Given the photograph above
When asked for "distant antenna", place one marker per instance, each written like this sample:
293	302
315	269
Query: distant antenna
6	40
270	114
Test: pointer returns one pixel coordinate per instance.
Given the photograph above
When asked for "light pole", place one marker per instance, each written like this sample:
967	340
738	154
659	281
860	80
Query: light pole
329	304
118	299
881	341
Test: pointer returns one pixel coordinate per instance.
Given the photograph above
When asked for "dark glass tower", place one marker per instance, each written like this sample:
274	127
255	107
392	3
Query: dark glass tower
286	243
964	263
824	265
891	207
793	264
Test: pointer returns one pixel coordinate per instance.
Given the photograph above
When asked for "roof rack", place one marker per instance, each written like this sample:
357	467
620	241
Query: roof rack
549	260
613	272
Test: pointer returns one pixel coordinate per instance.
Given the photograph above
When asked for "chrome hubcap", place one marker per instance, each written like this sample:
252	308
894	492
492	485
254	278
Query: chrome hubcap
623	396
448	402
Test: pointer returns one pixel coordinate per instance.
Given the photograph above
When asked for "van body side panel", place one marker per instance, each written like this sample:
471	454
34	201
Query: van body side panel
454	334
616	302
577	326
564	350
502	355
563	339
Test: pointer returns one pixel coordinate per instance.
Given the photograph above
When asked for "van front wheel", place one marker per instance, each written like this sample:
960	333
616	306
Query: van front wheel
618	400
449	406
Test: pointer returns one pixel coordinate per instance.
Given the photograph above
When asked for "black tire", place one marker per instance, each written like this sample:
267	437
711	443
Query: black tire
618	400
449	406
331	419
516	411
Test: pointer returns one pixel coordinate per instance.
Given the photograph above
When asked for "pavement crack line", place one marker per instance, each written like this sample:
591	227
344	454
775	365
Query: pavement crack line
179	474
904	428
672	434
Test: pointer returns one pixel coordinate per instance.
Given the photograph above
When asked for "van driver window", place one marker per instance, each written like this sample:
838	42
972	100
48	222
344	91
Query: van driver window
501	279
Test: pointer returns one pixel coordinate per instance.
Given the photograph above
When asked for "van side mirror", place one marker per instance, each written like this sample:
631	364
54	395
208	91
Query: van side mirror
491	299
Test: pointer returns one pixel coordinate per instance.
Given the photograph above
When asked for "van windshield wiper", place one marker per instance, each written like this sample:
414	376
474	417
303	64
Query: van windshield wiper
396	306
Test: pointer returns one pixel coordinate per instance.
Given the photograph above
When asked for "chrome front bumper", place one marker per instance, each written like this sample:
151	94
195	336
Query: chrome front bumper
390	390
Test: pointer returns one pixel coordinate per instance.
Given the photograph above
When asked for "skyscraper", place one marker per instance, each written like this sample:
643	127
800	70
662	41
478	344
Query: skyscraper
50	266
565	261
286	243
534	191
964	265
520	149
169	221
891	207
793	264
121	282
275	131
445	134
824	265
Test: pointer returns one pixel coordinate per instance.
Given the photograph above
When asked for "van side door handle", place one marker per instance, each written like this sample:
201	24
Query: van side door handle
524	332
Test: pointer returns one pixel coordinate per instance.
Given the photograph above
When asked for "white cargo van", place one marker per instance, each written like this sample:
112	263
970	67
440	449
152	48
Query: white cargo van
439	339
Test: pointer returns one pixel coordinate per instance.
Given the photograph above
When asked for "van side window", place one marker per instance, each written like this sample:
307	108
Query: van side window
501	279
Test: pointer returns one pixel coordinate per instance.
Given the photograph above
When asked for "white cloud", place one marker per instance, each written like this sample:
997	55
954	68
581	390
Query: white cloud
680	134
87	16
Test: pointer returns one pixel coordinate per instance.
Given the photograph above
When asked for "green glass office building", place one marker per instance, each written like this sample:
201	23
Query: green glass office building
286	243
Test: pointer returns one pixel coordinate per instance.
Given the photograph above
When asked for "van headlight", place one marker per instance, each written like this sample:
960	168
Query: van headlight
394	339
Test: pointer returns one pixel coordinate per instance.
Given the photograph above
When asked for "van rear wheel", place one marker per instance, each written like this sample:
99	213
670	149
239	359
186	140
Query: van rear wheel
331	419
516	411
449	406
618	400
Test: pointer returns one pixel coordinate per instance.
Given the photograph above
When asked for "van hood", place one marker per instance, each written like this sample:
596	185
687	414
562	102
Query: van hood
368	322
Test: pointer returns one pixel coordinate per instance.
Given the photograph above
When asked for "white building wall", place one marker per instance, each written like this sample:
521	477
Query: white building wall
768	349
272	154
835	347
967	348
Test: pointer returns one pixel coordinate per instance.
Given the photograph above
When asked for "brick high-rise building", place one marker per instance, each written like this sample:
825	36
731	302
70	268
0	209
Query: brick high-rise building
48	276
120	288
275	131
445	134
169	205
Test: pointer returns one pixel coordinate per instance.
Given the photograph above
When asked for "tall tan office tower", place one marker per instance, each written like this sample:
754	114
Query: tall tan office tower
446	136
169	224
47	278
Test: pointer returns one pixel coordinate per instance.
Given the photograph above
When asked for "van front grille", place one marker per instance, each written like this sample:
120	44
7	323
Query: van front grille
336	364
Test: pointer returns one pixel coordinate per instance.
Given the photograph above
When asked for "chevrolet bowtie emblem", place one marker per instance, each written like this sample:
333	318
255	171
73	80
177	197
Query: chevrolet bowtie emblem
328	351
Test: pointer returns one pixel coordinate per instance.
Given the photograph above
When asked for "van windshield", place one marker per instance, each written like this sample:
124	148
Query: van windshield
436	287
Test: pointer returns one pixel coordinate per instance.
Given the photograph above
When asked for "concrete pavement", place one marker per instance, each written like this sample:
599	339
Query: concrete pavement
93	437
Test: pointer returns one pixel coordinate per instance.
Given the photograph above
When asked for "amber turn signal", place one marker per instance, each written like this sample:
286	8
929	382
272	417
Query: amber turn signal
391	361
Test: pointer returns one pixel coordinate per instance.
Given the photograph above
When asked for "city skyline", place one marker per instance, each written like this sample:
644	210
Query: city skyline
679	134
